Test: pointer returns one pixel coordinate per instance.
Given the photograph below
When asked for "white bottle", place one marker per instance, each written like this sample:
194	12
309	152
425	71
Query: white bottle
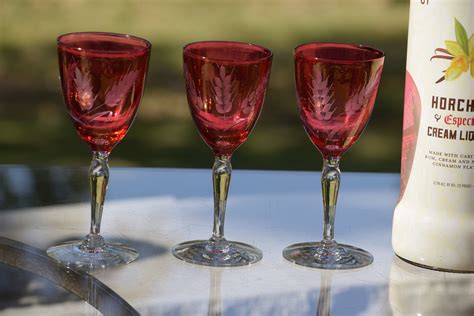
433	223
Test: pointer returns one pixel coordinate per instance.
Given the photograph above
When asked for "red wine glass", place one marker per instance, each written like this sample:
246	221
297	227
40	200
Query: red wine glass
102	79
225	85
336	86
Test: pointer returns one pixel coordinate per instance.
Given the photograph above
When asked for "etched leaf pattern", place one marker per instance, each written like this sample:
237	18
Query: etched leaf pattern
222	86
356	101
250	101
193	93
361	97
322	96
83	86
117	93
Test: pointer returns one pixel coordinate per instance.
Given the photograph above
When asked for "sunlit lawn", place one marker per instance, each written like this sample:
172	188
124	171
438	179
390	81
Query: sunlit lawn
34	127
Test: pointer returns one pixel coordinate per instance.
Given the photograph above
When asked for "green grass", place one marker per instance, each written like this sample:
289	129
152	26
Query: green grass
34	128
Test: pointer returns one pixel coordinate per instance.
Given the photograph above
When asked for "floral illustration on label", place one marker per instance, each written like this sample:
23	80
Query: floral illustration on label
459	52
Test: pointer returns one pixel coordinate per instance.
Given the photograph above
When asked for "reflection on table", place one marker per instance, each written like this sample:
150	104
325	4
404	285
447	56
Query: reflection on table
153	209
419	291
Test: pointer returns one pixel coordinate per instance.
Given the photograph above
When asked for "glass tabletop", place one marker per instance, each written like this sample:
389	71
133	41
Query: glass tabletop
153	209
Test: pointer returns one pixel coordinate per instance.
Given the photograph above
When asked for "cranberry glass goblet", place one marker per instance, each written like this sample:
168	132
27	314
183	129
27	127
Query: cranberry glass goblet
336	86
102	79
225	84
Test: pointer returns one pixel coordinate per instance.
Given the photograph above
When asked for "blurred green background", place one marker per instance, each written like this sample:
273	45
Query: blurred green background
35	129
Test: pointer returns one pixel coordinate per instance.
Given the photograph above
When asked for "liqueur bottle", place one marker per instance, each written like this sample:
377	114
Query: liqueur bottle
433	222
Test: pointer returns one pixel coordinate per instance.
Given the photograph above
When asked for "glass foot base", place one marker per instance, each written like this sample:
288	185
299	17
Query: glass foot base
75	256
332	257
217	253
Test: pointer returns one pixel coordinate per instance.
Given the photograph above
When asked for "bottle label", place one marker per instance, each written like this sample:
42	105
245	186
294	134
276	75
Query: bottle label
435	210
438	142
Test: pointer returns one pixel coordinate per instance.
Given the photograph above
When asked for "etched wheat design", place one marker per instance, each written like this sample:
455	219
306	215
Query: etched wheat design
114	97
322	96
362	96
83	86
222	88
117	93
249	103
193	93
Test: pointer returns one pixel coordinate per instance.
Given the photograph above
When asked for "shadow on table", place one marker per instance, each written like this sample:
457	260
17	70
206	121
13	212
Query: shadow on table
20	289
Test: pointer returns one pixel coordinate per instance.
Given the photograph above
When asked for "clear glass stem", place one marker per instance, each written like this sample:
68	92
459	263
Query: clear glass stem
221	174
99	178
327	253
330	178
